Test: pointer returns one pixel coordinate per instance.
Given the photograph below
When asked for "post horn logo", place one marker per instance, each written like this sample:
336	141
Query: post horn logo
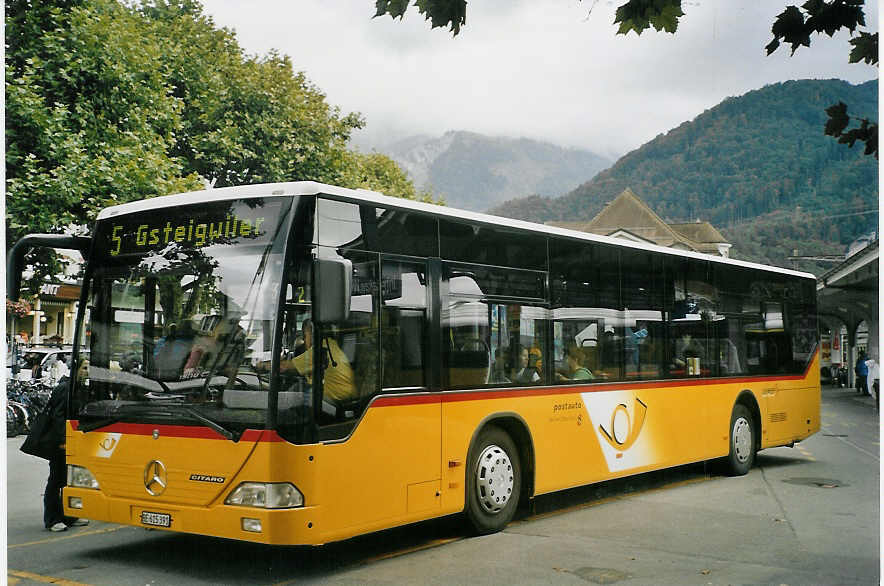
155	478
623	433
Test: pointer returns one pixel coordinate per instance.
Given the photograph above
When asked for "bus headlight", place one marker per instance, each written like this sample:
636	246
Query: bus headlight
271	495
81	477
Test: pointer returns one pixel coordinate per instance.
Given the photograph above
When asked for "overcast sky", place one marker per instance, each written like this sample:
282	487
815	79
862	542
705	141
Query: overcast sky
552	70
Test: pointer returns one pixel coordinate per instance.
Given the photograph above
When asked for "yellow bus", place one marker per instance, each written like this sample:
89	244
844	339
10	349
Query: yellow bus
298	363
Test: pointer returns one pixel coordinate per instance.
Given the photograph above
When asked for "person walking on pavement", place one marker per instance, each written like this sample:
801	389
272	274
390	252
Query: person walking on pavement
46	440
862	372
872	378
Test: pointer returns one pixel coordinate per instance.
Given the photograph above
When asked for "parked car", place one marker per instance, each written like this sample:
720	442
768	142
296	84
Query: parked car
52	363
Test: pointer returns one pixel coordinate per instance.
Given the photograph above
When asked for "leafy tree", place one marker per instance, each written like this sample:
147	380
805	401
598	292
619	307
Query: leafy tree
88	120
244	119
794	26
108	102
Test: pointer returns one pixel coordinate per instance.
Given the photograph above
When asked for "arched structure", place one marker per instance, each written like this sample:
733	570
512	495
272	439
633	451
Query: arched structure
848	295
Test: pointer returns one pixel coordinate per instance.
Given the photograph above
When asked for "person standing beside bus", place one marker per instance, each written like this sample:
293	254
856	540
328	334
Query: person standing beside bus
47	441
872	378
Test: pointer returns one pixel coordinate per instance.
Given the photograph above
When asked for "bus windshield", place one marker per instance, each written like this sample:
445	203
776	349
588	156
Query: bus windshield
181	307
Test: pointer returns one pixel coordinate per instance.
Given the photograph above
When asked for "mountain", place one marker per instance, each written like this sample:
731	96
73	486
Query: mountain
475	172
758	167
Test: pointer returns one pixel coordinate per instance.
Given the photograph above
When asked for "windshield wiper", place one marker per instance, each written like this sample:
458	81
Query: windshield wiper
231	435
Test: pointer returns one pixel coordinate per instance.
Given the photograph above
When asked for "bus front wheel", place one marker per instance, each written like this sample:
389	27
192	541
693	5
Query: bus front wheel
494	480
742	441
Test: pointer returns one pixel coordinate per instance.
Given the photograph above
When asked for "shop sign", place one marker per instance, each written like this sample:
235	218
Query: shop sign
60	291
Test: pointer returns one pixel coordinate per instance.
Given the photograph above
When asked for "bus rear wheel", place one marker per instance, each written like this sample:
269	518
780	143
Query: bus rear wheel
742	441
494	481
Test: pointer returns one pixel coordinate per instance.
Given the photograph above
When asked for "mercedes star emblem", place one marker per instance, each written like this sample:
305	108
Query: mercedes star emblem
155	478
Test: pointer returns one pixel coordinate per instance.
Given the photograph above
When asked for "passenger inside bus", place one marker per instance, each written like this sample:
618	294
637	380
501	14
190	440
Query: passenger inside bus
172	351
574	365
535	359
525	372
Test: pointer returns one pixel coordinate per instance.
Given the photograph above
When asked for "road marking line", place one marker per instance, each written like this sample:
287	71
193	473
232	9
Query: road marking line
394	554
45	579
71	536
415	549
859	449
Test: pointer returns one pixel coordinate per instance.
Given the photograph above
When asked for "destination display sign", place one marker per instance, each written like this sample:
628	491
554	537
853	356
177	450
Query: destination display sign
231	223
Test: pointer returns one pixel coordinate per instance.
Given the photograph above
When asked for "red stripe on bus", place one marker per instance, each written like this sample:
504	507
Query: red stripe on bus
269	435
185	431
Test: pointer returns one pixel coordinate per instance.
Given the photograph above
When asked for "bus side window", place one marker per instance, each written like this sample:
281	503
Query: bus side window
585	293
404	327
358	337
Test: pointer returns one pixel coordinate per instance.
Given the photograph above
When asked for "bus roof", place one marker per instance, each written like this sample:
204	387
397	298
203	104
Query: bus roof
372	197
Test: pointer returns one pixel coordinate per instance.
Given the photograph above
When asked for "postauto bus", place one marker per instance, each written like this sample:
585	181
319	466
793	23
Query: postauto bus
298	363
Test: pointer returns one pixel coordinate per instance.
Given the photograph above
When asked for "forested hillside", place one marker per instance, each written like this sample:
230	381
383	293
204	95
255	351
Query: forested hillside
757	166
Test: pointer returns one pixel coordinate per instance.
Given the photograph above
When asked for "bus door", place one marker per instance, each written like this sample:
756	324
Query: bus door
380	453
770	349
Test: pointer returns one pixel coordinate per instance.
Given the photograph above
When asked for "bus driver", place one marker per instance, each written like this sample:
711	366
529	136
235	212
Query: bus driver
338	383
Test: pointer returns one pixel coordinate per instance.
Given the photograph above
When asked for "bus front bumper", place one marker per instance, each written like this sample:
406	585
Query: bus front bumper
296	526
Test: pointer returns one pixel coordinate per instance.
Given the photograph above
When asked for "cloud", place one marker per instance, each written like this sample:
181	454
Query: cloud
554	70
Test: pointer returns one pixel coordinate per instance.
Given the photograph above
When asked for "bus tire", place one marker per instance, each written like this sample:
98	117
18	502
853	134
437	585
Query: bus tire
742	441
494	481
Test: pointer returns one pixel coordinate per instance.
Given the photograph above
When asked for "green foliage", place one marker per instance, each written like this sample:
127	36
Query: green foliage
87	118
108	103
640	15
795	26
746	166
837	127
865	48
244	119
440	13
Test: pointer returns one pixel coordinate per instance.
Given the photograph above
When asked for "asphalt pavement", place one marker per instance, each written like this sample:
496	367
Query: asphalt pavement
803	515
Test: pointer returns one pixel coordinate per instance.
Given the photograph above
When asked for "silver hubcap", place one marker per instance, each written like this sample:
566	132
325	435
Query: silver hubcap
742	434
494	479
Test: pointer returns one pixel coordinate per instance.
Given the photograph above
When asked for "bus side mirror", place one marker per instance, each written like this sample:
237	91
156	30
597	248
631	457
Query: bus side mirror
15	256
332	290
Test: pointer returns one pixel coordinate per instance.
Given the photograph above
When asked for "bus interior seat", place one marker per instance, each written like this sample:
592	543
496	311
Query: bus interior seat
469	367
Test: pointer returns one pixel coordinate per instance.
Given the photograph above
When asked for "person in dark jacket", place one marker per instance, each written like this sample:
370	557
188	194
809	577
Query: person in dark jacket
46	441
861	370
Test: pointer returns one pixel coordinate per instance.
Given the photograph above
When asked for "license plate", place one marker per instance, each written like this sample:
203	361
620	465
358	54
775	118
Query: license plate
156	519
